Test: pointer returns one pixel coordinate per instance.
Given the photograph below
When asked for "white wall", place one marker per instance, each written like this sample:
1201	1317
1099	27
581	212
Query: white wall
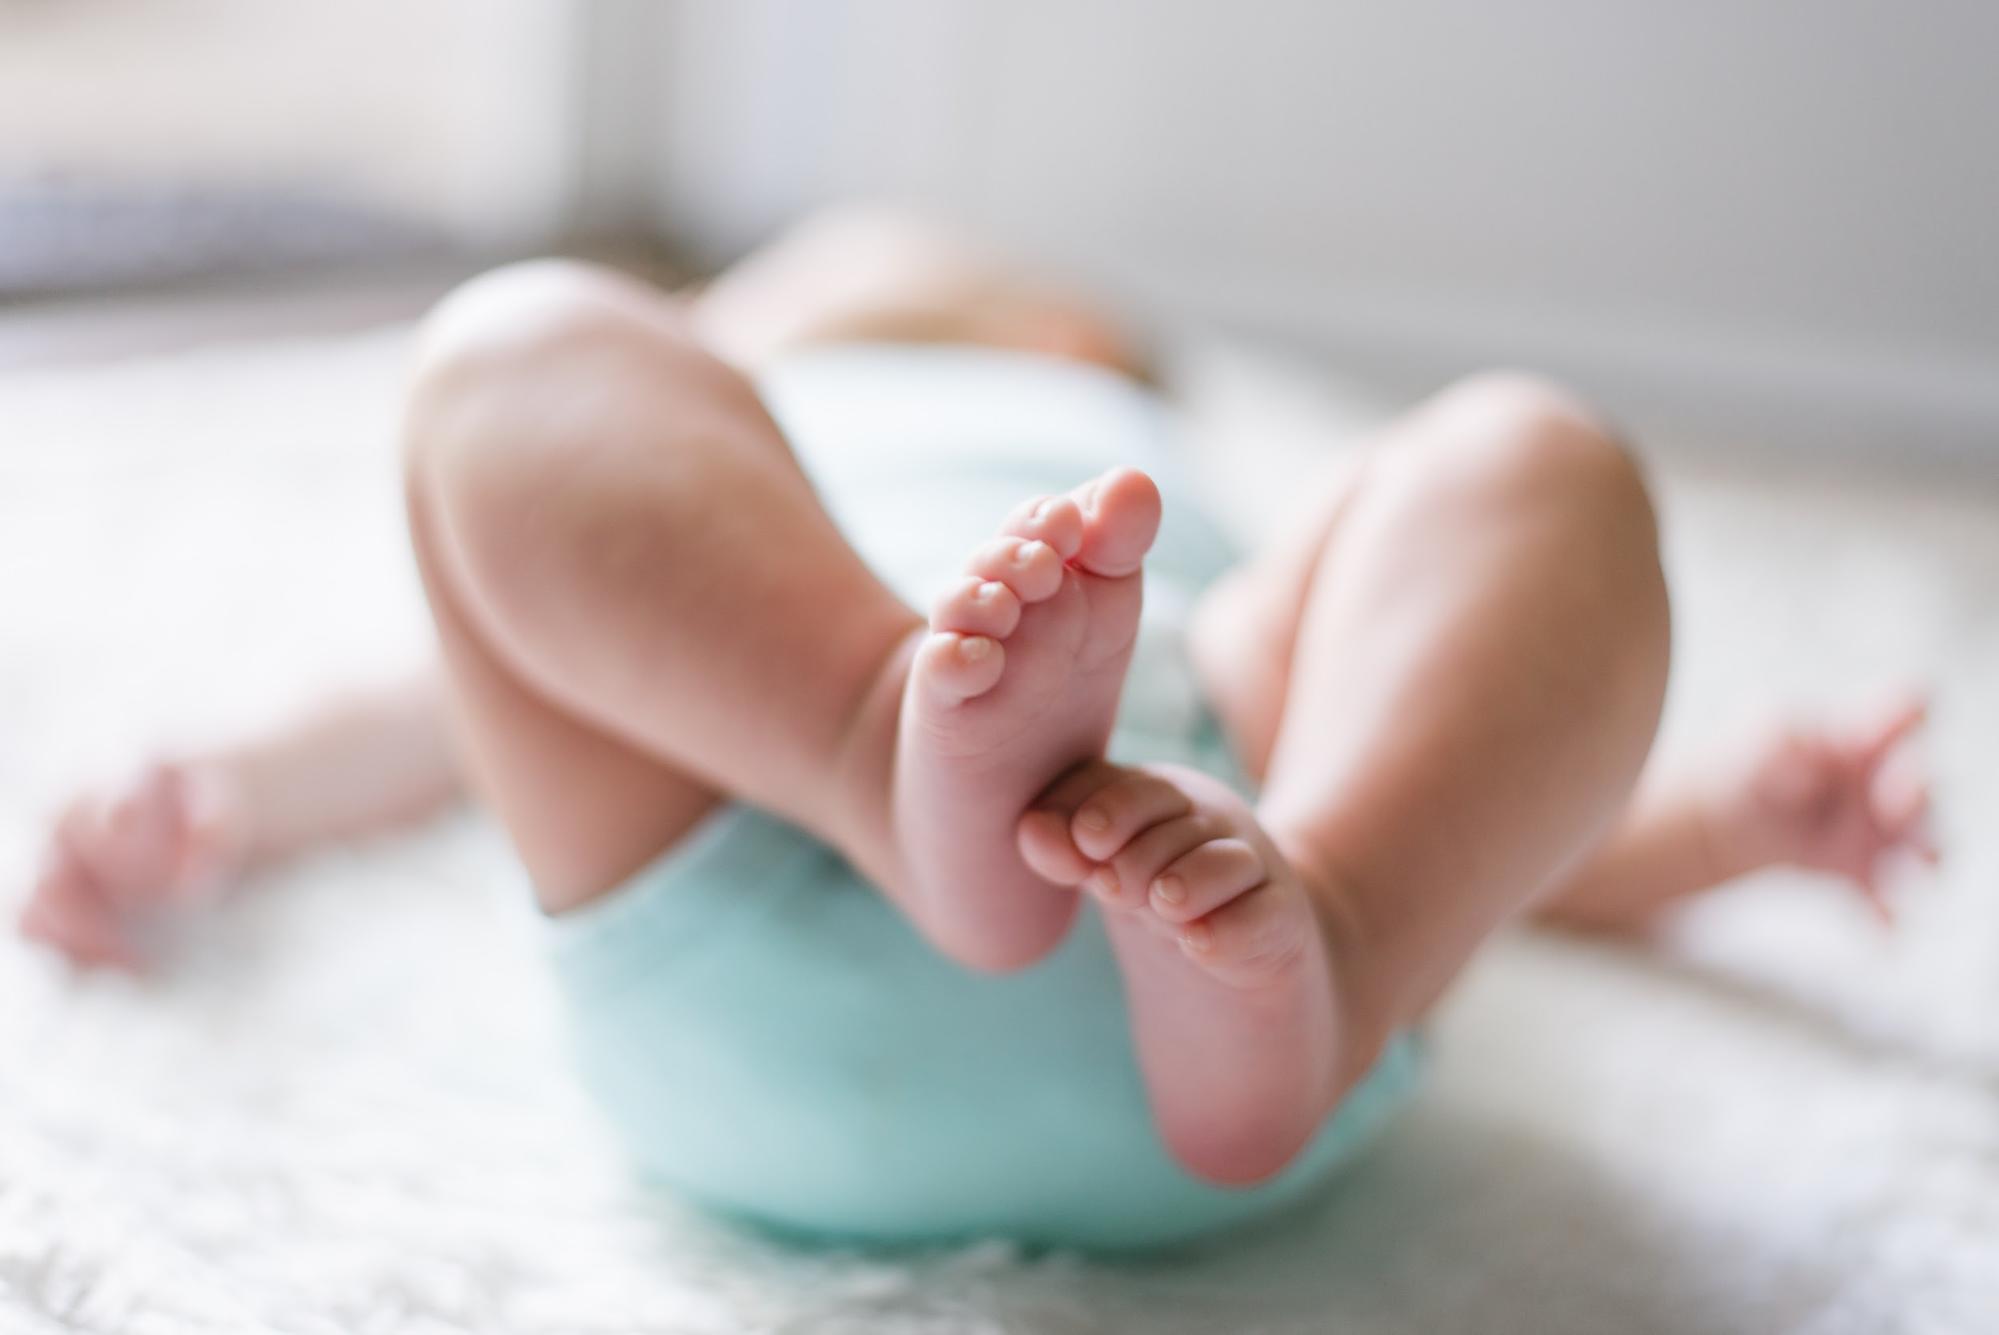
456	111
1779	217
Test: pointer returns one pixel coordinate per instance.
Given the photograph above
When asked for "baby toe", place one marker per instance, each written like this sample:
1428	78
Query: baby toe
1043	833
1202	880
1029	567
1055	520
978	607
1139	862
1253	939
1116	813
1043	839
951	667
1121	513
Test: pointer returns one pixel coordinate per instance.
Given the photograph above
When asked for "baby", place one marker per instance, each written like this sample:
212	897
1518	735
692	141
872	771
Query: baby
1099	906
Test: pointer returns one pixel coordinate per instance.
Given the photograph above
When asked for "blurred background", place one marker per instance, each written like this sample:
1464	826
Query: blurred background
1773	223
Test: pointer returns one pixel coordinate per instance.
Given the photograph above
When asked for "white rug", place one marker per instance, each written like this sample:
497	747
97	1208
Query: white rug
343	1108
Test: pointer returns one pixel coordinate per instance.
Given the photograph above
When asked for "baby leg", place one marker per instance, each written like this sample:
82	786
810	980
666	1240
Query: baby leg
641	602
1474	678
1473	658
644	605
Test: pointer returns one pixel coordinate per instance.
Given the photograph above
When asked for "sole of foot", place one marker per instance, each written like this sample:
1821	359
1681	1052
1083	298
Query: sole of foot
1015	680
1227	963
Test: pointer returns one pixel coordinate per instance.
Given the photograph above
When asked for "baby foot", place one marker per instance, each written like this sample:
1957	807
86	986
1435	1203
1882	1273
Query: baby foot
1017	681
164	840
1226	957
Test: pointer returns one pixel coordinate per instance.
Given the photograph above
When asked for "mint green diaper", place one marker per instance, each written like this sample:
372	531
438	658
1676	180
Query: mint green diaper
772	1039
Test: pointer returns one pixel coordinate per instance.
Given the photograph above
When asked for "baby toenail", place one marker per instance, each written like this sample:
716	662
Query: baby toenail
1041	507
990	590
1103	883
1170	890
1028	553
974	647
1197	938
1094	818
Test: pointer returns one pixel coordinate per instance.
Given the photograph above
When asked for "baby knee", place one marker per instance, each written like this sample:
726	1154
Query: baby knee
1526	445
1544	455
1551	461
1533	431
519	345
531	310
1522	451
507	331
497	360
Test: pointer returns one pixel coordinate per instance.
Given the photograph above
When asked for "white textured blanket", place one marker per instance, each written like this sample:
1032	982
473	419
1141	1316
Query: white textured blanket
343	1109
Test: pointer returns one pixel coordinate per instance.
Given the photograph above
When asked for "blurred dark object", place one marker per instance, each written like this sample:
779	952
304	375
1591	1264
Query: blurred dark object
64	238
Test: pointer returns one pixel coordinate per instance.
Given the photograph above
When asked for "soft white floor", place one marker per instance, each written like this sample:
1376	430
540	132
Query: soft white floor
343	1108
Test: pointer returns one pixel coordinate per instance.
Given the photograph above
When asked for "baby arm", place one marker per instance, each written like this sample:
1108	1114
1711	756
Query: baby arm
175	833
1833	799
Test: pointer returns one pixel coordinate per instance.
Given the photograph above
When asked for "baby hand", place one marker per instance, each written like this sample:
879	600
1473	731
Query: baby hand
163	839
1840	799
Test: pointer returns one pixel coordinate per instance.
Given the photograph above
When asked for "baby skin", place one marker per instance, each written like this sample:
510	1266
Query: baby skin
1243	975
1225	955
1445	685
1244	979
